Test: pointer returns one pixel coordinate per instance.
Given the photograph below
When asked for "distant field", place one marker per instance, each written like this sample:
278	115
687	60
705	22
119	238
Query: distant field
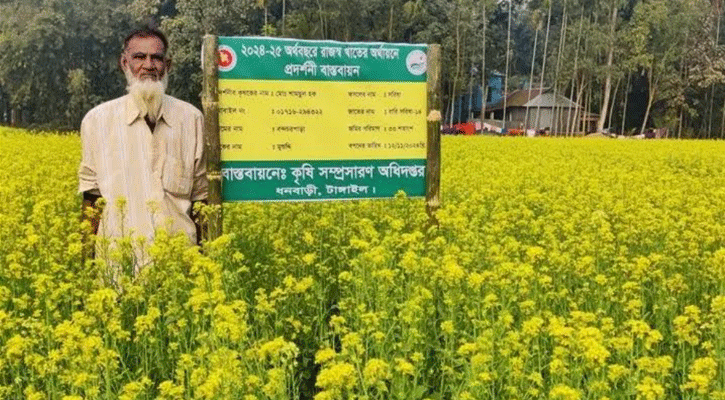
562	269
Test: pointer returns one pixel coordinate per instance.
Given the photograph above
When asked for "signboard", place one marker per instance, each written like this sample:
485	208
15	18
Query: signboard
321	120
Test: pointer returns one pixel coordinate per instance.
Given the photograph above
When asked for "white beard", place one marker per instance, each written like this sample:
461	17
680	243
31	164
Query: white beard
146	94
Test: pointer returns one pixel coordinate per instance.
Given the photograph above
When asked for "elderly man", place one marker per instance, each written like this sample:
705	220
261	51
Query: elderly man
143	152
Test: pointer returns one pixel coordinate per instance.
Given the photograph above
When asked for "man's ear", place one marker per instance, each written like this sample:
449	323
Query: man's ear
122	62
168	65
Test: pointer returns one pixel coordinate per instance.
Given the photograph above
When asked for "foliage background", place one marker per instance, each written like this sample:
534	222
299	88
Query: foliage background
58	58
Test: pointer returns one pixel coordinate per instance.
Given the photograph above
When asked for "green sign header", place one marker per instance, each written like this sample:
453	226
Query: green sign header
304	60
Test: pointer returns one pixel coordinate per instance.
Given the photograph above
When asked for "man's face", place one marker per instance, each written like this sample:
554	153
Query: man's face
144	57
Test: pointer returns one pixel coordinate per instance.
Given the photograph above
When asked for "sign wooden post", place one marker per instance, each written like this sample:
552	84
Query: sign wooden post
210	102
433	162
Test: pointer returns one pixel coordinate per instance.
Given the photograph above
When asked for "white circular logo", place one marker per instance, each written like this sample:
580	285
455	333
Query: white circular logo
417	62
227	58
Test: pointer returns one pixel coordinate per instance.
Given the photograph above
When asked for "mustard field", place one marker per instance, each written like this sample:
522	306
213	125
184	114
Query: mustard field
561	269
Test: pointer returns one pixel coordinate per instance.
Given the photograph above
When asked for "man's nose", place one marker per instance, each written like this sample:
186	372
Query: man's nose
148	63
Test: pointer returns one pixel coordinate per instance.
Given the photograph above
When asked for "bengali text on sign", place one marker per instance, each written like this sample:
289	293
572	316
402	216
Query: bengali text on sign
321	120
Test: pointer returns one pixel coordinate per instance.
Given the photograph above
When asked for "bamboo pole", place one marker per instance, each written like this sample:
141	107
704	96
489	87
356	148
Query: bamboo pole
433	161
210	102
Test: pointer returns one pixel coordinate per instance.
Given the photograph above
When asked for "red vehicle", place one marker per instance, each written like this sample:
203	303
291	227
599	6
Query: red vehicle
465	128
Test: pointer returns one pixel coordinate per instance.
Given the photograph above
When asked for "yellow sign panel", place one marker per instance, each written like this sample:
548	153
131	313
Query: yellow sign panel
302	120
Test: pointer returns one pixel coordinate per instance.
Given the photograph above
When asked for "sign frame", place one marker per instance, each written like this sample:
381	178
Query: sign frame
210	102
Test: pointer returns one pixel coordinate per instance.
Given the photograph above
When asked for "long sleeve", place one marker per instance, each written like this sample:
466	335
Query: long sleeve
200	189
87	178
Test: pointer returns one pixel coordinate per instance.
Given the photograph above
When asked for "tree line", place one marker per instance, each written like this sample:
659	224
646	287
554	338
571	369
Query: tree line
635	64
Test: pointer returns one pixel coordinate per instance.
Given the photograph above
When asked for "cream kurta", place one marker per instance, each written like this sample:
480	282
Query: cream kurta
159	174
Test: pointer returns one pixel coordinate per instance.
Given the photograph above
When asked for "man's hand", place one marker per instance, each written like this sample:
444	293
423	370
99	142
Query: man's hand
91	212
196	217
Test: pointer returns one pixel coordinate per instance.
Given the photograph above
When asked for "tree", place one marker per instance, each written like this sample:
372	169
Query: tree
42	42
536	23
484	86
562	41
508	58
543	60
610	64
673	47
185	29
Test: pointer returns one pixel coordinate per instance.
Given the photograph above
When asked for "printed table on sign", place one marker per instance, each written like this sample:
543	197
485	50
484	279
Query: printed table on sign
321	120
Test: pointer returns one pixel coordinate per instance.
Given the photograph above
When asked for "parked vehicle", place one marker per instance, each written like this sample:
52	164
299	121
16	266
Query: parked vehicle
465	128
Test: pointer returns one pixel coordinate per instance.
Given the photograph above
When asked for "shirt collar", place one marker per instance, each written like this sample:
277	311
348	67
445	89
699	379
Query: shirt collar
133	113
